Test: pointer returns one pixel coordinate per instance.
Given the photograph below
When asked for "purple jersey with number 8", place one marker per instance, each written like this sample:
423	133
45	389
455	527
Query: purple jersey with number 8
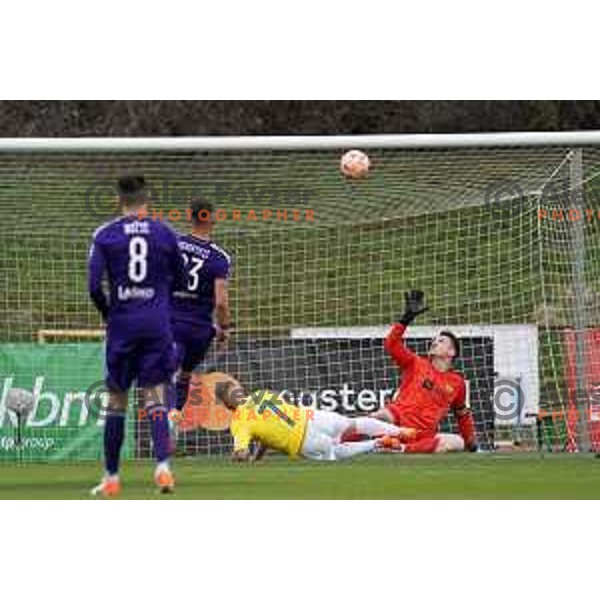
142	263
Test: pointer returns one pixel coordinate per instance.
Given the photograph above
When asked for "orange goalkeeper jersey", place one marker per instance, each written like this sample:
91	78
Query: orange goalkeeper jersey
425	394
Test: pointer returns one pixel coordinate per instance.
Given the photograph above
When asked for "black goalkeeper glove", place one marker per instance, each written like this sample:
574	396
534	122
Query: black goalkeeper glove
414	306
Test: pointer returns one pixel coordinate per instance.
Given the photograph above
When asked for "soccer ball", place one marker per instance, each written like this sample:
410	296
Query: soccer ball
20	401
355	164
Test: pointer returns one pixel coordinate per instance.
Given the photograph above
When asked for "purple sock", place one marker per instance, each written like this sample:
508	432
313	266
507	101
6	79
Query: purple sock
114	433
182	389
159	427
171	396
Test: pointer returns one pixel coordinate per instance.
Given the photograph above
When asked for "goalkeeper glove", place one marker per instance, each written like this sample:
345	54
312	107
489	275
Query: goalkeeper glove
414	306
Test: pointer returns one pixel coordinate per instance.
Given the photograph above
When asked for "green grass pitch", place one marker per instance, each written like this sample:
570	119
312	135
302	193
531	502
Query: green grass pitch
374	477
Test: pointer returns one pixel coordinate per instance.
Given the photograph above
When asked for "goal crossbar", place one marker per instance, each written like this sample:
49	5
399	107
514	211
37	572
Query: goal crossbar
233	143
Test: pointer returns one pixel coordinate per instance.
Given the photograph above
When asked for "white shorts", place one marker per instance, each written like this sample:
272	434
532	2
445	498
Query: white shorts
323	431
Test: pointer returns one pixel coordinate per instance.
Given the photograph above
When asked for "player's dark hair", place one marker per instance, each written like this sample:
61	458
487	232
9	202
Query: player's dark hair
132	189
455	341
201	209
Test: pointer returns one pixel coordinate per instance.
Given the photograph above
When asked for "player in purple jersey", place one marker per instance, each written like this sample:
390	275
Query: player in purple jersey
200	308
142	263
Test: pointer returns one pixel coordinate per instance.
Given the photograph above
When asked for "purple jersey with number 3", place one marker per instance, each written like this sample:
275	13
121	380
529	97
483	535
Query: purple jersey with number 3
205	261
194	302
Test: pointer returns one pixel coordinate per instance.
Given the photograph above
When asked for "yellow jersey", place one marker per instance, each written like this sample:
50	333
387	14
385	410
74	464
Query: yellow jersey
266	417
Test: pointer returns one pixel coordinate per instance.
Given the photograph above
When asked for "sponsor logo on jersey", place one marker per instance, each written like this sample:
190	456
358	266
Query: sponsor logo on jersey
125	293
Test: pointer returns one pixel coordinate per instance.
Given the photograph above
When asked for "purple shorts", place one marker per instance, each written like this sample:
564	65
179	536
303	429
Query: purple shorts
192	343
149	361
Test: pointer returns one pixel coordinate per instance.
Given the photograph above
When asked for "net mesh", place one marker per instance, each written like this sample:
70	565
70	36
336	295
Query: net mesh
320	267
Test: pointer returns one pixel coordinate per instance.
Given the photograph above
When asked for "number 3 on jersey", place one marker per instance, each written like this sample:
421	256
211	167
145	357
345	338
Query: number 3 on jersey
193	271
138	263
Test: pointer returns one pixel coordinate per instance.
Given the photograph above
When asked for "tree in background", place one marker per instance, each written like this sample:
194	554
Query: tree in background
269	117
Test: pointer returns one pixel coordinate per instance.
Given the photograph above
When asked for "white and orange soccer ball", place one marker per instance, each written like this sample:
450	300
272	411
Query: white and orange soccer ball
355	164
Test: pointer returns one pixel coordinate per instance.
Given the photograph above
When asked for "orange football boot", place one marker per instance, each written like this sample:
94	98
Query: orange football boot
163	478
109	487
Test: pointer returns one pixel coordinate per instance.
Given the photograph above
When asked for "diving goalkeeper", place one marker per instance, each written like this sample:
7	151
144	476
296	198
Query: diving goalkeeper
429	388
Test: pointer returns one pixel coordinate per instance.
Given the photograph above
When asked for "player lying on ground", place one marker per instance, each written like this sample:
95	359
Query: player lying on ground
429	388
267	418
142	262
202	300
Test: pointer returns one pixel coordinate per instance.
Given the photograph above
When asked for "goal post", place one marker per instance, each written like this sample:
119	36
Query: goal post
500	231
576	179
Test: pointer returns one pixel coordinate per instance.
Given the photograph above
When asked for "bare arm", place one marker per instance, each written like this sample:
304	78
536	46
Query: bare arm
241	442
222	312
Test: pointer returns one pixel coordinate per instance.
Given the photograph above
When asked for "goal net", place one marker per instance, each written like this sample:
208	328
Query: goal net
501	234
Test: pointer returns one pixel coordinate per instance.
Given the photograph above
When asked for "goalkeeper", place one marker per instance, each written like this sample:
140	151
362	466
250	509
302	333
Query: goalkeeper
429	388
268	418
